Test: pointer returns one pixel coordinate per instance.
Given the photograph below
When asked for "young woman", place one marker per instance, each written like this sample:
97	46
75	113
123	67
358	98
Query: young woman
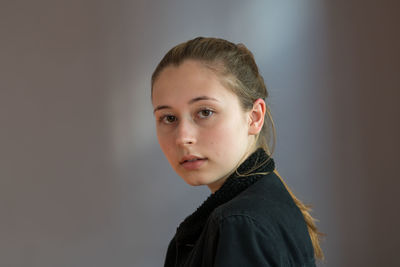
215	129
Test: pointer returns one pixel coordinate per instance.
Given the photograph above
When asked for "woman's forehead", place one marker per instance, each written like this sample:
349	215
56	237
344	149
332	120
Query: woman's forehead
187	69
189	80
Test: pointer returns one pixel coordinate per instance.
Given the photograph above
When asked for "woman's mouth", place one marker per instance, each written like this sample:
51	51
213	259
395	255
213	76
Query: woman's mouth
192	163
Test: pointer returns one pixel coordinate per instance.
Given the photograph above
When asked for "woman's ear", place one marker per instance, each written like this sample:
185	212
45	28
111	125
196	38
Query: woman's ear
256	116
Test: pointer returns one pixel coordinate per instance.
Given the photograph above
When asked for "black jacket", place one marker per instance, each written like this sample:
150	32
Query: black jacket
250	221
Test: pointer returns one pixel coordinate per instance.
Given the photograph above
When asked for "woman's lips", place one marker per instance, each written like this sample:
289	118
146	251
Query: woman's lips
193	164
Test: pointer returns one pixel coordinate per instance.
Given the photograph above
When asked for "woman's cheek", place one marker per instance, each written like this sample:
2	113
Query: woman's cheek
218	139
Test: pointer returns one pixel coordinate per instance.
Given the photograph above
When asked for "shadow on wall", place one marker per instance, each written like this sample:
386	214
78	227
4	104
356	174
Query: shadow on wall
364	62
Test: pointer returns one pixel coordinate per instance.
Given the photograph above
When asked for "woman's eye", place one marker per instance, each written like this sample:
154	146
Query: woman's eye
205	113
168	119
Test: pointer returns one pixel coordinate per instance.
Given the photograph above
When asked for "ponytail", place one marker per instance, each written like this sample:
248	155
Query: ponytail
315	235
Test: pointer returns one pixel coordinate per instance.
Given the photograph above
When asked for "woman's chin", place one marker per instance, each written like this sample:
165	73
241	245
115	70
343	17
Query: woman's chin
196	181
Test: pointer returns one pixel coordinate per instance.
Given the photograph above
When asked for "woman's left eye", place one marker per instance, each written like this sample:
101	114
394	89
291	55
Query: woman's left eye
205	113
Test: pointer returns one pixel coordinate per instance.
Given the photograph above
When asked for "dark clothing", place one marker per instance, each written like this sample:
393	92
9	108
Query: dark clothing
250	221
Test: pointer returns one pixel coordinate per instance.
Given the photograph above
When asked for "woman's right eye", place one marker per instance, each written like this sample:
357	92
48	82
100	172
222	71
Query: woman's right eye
168	119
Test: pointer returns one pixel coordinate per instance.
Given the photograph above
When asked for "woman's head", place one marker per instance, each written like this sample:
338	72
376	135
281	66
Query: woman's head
234	64
208	100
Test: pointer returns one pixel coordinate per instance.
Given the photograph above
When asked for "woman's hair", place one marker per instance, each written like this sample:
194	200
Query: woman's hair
237	70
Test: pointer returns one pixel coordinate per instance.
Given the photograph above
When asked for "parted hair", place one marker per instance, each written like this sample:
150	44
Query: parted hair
237	70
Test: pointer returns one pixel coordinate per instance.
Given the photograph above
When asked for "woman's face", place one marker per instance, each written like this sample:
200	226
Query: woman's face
201	127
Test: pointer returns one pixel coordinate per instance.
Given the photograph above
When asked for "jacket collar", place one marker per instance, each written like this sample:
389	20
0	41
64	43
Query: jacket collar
249	172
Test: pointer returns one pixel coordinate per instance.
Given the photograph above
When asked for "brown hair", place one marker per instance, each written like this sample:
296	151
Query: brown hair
234	64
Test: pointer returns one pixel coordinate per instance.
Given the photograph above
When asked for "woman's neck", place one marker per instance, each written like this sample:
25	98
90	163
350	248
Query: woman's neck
217	184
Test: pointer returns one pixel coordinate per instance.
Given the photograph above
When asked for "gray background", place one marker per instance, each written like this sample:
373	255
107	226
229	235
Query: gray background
82	179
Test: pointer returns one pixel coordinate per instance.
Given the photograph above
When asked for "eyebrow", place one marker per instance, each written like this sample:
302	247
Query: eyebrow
196	99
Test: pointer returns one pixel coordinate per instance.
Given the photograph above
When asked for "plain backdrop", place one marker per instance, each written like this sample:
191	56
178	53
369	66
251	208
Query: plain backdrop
83	181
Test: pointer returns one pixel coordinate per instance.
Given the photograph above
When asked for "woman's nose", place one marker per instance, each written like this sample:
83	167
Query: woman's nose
186	133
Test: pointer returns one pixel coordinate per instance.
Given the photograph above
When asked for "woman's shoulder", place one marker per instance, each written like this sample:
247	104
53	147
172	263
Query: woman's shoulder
265	219
265	215
265	201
